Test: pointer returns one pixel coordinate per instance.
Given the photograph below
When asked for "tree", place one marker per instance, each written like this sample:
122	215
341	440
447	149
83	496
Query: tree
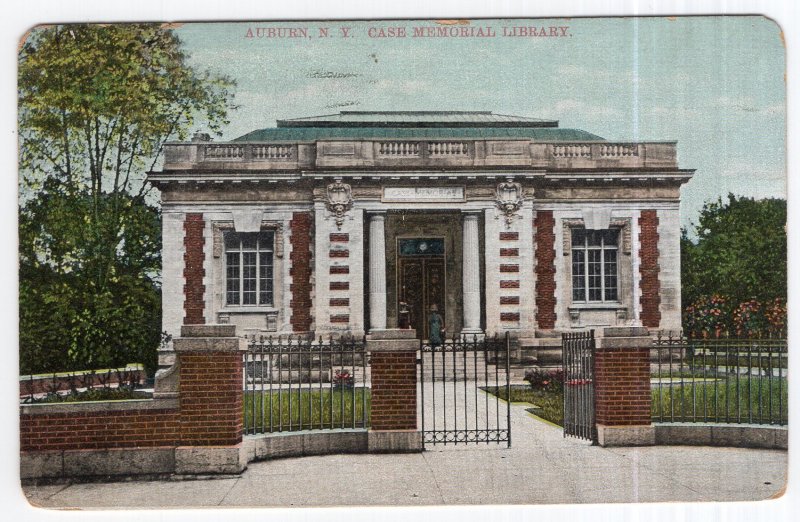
739	255
96	104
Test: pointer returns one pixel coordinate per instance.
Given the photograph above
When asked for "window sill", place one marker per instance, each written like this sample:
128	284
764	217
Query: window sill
249	310
597	306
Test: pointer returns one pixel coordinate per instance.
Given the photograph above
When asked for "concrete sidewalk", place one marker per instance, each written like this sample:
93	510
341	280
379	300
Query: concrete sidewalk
542	467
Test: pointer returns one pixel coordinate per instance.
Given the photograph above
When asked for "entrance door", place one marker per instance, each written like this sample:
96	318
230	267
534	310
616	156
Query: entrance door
421	280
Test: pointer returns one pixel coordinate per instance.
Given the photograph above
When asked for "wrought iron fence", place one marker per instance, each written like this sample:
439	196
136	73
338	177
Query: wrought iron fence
578	366
727	380
299	383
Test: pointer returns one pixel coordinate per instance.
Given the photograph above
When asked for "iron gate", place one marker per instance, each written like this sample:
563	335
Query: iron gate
578	366
461	382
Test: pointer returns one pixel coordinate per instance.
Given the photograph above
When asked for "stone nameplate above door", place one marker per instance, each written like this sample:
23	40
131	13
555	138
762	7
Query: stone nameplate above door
423	194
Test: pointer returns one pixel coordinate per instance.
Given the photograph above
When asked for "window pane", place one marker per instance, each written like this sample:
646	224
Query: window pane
249	241
249	278
232	278
611	236
595	279
594	237
578	275
265	241
578	237
265	278
610	268
231	241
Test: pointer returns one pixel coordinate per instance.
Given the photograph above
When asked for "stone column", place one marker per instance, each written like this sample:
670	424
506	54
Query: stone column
377	272
622	387
471	275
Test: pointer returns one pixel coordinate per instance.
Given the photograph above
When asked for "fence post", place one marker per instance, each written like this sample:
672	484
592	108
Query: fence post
210	392
622	387
393	416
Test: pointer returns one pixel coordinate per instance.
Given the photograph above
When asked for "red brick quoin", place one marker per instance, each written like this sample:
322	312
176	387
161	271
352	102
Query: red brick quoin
193	271
300	258
394	390
622	386
649	269
545	269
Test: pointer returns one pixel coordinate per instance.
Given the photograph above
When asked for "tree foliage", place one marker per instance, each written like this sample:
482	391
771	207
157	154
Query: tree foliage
739	256
96	104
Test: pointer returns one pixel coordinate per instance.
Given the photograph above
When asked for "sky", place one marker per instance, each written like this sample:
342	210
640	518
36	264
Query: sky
715	85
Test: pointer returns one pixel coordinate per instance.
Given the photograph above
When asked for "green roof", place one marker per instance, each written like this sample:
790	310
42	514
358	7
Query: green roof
417	119
479	132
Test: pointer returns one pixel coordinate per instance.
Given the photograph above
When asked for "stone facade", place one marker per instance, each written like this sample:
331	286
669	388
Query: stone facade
496	206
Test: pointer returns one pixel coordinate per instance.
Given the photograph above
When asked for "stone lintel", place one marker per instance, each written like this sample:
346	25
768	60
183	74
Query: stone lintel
622	343
626	435
208	330
210	460
394	441
209	344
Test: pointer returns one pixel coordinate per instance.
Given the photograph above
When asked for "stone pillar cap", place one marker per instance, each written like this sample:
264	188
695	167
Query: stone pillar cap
623	331
391	334
208	330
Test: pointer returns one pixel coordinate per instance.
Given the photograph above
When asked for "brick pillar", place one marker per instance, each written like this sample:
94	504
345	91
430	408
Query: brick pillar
210	396
193	271
393	416
300	258
545	269
622	387
648	269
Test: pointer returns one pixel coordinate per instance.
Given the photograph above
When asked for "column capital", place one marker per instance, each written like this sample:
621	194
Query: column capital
471	213
376	213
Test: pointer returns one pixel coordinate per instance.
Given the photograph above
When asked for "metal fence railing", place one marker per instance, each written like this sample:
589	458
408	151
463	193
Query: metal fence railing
726	380
298	383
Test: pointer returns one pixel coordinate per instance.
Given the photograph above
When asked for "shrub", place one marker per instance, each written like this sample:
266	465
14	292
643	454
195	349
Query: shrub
343	379
550	380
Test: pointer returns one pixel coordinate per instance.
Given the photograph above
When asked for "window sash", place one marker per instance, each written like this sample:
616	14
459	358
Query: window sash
249	269
595	267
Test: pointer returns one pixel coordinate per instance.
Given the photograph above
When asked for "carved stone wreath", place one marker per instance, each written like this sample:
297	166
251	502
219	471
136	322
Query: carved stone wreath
339	200
509	199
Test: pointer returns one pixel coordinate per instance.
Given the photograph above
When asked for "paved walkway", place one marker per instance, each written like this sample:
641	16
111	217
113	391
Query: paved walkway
542	467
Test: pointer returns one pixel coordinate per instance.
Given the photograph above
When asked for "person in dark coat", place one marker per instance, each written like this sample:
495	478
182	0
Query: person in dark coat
435	327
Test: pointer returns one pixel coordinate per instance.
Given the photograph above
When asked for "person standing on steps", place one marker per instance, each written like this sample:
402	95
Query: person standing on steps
435	327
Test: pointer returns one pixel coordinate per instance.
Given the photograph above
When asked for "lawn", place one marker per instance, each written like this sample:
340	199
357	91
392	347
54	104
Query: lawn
743	399
759	401
305	409
549	402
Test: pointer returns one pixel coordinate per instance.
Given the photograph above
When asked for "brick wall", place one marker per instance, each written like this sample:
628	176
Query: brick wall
622	386
300	259
394	390
193	271
545	269
102	429
648	269
211	398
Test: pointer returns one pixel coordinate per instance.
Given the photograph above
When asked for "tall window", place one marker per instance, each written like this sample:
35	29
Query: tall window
594	265
249	268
